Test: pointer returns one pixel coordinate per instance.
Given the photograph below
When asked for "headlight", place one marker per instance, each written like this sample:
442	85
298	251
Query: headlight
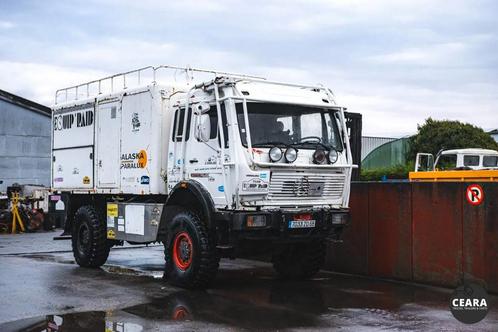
275	154
290	155
333	156
319	157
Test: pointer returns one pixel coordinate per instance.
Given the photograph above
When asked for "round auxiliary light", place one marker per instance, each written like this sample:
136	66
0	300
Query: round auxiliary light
319	157
333	156
290	155
275	154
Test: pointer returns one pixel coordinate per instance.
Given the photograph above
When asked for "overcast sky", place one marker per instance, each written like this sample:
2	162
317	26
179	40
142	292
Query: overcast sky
396	62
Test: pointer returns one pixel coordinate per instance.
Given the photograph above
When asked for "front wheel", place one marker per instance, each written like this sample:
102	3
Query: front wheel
190	251
89	238
299	260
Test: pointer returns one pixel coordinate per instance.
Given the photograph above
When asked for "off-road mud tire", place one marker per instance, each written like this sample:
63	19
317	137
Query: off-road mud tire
94	250
203	265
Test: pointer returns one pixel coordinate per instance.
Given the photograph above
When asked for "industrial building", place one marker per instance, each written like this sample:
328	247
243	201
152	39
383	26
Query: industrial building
494	134
24	141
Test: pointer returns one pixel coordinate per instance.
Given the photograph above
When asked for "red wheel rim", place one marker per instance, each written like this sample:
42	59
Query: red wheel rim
183	251
180	313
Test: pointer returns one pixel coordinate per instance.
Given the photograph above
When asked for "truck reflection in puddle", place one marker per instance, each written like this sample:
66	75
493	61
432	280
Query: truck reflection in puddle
278	308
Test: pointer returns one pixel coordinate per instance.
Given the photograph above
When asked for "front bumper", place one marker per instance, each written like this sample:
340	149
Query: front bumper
329	223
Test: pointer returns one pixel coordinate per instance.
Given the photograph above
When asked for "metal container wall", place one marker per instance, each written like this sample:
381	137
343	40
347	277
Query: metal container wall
437	233
480	237
351	255
423	232
389	230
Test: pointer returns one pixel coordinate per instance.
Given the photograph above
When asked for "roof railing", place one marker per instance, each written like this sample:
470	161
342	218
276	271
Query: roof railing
76	89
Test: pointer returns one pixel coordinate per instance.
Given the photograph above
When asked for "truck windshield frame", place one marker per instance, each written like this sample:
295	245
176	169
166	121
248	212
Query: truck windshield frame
276	124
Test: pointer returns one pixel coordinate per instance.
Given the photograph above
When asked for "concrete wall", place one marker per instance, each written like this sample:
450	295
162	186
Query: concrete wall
24	146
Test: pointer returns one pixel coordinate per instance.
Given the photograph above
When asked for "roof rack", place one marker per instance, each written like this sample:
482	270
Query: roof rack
111	80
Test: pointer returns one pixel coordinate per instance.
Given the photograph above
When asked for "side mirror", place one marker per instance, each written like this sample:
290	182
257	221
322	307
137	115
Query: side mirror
203	128
202	108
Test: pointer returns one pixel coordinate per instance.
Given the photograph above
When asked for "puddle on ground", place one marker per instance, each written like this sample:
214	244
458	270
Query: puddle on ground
256	300
260	304
183	307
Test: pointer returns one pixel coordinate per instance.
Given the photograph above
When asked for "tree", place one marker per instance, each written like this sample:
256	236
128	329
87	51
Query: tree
435	135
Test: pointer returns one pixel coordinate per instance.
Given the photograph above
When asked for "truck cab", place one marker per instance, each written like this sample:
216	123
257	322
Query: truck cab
226	167
458	159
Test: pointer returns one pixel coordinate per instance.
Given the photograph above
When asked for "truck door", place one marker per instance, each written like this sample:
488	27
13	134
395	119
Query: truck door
202	161
108	146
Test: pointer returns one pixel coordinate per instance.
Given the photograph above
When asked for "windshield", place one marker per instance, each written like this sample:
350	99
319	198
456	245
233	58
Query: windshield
282	125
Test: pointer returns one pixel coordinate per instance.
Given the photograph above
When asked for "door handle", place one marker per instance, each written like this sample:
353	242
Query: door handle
192	161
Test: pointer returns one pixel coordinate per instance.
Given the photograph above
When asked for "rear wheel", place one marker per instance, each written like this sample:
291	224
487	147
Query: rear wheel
299	260
89	239
190	251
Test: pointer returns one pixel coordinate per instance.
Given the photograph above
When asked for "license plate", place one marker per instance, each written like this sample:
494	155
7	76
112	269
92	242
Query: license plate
301	223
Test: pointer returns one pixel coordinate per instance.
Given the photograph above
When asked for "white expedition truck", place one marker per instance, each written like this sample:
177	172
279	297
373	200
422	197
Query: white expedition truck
232	166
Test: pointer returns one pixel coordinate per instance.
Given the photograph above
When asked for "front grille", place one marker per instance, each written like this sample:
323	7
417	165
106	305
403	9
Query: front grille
300	186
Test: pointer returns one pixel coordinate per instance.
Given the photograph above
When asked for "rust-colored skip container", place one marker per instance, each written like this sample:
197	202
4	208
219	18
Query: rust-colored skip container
428	232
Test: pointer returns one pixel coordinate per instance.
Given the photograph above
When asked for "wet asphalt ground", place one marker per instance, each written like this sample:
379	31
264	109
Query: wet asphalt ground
43	290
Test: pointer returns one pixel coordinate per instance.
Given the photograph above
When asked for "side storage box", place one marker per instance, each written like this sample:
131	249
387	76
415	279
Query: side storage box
134	222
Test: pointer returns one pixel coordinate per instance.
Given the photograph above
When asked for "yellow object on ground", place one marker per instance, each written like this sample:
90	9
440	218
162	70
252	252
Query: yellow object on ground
455	176
16	217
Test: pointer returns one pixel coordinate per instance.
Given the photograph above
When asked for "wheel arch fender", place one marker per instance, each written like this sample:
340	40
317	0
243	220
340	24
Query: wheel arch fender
194	196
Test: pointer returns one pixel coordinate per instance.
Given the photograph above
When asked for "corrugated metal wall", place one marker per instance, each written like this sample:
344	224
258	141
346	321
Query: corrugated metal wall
24	146
370	143
387	155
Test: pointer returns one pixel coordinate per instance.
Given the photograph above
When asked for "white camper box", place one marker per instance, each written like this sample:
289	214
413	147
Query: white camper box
115	141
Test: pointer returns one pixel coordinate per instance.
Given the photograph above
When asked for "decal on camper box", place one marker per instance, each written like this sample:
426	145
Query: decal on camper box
135	122
134	160
68	121
86	180
144	179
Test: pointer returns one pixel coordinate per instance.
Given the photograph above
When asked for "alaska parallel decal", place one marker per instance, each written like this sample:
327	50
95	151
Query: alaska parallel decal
134	160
